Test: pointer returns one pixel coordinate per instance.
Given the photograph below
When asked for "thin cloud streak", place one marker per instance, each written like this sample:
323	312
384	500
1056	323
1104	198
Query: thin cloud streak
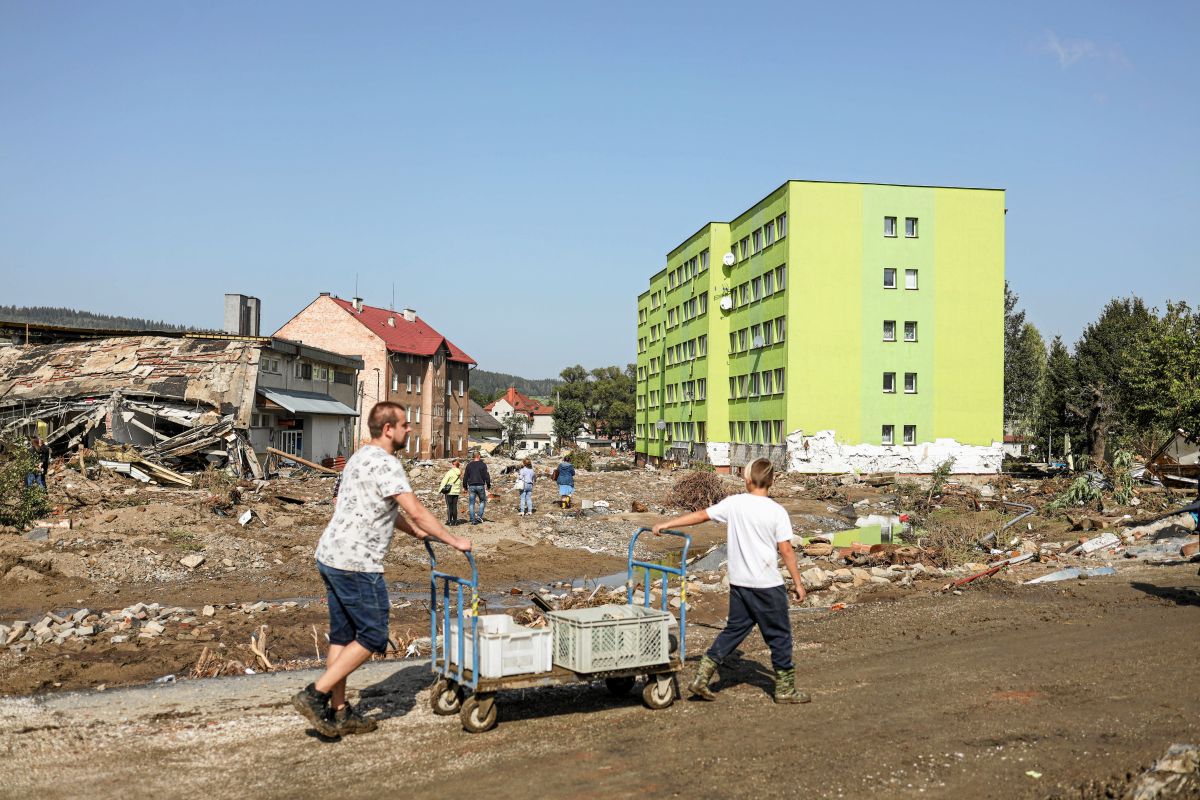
1070	52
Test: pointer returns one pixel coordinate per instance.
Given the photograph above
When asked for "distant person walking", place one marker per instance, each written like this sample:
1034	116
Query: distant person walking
760	533
478	482
451	487
350	560
41	452
564	476
527	476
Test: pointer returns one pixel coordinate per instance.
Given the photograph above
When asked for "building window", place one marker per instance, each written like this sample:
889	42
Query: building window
779	380
744	294
910	227
742	340
768	385
449	387
889	226
702	345
889	382
460	444
418	445
889	330
781	225
703	260
741	426
778	426
889	278
910	331
757	236
780	277
733	395
768	280
701	388
910	382
703	304
408	382
769	233
910	434
754	432
745	245
395	382
889	434
460	415
756	289
418	416
756	337
910	279
420	380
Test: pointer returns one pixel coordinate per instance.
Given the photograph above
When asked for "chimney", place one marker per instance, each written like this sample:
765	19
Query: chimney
358	304
409	315
242	315
324	294
391	322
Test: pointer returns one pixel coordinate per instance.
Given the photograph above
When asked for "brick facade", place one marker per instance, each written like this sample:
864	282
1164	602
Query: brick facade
415	381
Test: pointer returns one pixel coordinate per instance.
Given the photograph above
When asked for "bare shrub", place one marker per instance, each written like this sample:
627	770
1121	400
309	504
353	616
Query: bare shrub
697	489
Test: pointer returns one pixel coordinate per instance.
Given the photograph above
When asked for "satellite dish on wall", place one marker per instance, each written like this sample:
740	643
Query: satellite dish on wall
661	424
726	303
728	259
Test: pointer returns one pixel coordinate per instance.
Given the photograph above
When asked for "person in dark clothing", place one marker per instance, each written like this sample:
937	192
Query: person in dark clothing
42	453
478	482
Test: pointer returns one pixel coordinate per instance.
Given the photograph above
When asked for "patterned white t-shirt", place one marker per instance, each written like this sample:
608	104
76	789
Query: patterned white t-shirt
358	536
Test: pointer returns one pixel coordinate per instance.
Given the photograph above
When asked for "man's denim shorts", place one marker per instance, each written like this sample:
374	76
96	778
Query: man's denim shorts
358	607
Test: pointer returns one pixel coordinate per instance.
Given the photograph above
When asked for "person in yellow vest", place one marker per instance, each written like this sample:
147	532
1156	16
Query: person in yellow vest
451	487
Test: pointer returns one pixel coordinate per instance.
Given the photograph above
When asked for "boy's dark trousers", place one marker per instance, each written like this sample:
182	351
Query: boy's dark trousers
766	608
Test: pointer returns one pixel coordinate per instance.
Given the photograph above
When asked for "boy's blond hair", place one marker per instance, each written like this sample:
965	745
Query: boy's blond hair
761	473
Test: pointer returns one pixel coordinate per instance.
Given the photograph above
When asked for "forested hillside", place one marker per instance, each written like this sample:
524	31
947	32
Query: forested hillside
70	317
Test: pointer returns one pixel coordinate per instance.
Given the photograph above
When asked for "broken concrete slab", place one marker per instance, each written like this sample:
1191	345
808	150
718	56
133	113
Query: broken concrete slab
1073	572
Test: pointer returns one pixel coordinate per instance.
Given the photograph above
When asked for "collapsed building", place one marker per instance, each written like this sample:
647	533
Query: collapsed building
152	405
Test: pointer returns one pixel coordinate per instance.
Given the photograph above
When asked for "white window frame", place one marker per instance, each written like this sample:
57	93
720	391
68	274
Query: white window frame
781	225
910	227
910	434
910	383
889	227
888	434
889	272
889	383
889	333
769	233
910	279
913	329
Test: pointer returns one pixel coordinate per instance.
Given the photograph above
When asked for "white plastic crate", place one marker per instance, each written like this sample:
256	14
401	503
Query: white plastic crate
505	648
610	637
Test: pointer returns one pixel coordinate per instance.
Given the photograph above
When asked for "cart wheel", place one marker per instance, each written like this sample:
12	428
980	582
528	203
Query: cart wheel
619	687
474	719
446	698
657	695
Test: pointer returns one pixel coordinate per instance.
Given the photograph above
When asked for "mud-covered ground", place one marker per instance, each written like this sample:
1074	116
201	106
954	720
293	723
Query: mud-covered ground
1003	690
1081	685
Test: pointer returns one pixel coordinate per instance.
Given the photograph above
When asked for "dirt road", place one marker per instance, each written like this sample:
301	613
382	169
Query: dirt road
917	696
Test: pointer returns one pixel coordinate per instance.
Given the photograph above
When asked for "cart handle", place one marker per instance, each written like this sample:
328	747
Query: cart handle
473	584
665	573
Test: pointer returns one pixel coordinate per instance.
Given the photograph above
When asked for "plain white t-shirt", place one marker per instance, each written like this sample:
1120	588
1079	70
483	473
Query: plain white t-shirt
756	527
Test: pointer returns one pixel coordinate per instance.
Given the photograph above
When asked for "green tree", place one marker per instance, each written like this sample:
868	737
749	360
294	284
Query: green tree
609	411
1102	401
1160	375
1024	366
1054	418
568	417
514	427
19	504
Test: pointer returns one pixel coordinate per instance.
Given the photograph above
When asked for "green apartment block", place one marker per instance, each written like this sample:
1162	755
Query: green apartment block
832	327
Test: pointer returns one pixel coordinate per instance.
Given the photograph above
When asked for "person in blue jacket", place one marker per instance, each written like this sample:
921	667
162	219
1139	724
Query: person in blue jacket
564	476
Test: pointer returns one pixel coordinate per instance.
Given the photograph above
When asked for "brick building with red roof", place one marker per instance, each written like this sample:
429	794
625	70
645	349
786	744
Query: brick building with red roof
405	360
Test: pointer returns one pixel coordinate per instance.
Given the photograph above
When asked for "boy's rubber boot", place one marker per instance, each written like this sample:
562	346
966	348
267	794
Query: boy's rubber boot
704	673
785	688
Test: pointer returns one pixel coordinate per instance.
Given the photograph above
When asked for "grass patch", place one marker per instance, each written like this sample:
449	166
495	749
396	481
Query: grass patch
184	540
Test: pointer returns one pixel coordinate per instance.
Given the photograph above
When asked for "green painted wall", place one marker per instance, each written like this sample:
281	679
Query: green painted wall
834	355
901	305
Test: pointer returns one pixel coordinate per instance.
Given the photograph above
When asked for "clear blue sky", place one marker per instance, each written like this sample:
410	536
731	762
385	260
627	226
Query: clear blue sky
519	170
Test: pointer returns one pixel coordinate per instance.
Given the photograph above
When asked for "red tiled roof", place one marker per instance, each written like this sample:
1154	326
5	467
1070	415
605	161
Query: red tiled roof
417	337
522	404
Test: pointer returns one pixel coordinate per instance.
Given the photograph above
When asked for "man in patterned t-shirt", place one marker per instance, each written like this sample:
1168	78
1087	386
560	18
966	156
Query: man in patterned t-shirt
350	556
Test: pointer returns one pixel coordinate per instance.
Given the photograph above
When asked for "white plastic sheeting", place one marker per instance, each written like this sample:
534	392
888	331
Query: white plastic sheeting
822	453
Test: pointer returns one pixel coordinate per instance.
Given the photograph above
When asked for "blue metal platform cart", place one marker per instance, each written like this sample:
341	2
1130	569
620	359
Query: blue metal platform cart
459	689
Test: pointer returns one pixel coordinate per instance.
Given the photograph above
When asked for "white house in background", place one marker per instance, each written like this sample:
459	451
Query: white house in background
539	436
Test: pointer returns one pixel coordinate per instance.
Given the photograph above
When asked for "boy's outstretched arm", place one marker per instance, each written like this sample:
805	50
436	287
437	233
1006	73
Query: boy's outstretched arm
694	518
788	554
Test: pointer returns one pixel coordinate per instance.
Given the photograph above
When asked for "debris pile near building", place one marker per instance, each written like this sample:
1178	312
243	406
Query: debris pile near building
147	406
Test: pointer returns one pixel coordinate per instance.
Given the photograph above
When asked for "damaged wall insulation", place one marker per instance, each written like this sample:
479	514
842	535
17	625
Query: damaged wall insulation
821	452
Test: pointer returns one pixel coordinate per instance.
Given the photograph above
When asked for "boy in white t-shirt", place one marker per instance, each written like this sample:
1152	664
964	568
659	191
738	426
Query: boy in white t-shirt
759	534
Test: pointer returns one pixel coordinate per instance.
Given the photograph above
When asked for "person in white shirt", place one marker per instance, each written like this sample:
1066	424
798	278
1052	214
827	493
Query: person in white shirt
760	533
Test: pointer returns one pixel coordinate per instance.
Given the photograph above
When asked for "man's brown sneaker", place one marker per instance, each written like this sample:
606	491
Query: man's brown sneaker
314	706
348	720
